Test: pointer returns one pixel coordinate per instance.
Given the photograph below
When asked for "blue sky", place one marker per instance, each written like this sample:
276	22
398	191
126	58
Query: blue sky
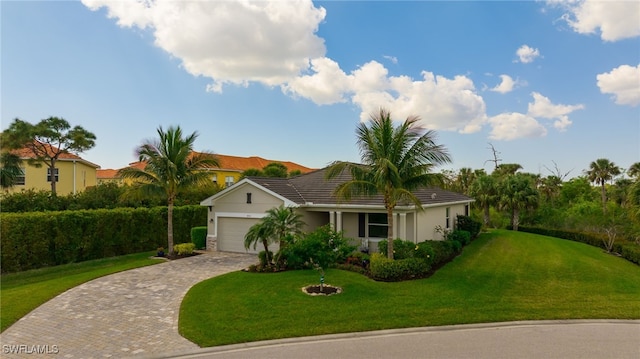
547	83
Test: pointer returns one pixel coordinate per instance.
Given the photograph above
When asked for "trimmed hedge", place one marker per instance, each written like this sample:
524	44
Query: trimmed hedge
199	236
385	269
629	251
38	239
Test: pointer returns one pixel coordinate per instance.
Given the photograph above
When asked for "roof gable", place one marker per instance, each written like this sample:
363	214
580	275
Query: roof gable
210	201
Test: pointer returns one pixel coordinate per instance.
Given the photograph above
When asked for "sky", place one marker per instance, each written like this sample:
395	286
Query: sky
551	85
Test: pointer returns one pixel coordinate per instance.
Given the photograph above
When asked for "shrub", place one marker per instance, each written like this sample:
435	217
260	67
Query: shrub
463	237
402	249
324	247
443	252
199	236
262	258
184	249
385	269
466	223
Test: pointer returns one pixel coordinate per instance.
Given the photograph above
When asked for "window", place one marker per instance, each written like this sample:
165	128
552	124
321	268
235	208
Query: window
55	174
215	178
466	210
372	225
20	179
248	197
228	181
447	217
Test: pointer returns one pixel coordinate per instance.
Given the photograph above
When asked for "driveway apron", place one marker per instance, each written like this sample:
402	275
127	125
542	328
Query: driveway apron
131	313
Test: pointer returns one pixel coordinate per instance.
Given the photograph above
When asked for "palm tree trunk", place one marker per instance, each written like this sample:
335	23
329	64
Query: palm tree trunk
390	233
487	216
515	221
170	226
604	198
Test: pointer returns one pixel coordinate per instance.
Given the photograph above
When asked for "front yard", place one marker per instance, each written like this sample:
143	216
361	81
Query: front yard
502	276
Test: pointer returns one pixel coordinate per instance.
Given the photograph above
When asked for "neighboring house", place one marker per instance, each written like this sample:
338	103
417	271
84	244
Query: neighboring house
235	209
72	174
229	172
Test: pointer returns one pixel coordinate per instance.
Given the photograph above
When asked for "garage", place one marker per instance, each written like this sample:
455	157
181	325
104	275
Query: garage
231	232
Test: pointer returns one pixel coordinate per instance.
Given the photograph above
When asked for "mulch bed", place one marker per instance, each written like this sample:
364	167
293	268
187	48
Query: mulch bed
325	290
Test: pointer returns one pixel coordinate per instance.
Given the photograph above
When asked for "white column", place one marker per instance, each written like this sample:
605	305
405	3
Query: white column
332	222
403	226
338	221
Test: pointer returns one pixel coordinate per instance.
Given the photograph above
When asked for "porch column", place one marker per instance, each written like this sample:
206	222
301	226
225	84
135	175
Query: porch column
403	226
338	221
332	222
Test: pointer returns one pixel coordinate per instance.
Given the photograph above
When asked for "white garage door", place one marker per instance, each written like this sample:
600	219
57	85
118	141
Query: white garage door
231	232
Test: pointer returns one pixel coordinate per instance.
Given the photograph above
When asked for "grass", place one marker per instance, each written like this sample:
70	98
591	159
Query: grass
502	276
22	292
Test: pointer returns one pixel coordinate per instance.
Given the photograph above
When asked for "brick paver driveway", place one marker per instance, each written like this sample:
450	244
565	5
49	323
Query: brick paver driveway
132	313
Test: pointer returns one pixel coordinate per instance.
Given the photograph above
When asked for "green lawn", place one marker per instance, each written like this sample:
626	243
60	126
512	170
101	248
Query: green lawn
22	292
502	276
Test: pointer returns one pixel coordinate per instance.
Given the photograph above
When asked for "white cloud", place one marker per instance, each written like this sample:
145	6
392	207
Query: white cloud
327	85
541	107
393	59
623	82
616	20
229	41
527	54
507	84
511	126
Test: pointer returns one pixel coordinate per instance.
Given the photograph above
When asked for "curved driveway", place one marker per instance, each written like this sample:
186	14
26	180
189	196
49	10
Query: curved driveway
131	313
135	314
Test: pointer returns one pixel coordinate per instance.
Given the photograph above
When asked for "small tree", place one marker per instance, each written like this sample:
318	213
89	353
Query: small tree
47	141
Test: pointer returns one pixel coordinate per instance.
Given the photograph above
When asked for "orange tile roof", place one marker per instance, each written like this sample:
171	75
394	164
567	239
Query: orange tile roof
227	163
106	174
236	163
26	153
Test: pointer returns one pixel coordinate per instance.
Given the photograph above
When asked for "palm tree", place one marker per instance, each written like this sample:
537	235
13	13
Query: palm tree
259	233
517	192
9	169
485	191
282	222
395	161
634	171
600	171
171	166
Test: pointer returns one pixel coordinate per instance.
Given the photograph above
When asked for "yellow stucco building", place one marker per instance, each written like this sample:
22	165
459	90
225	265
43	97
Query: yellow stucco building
72	174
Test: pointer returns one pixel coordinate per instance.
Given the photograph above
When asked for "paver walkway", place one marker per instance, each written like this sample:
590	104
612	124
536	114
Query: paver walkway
131	313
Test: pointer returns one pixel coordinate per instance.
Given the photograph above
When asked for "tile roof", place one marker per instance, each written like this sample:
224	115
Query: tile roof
313	188
227	163
240	164
26	153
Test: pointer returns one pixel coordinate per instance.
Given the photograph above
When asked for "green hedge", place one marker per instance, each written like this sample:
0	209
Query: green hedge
38	239
385	269
199	236
628	250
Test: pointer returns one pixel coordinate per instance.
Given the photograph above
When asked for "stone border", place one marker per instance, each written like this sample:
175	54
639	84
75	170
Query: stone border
304	290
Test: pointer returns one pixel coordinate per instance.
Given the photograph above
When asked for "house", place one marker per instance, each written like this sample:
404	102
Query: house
229	172
72	174
236	208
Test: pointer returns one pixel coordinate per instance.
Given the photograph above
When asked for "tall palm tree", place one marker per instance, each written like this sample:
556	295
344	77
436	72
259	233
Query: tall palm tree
600	171
171	166
485	191
395	161
517	192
